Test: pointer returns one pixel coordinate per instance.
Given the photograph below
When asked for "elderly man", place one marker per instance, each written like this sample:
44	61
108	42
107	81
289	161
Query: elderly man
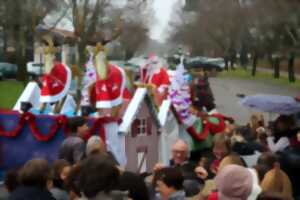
180	153
180	156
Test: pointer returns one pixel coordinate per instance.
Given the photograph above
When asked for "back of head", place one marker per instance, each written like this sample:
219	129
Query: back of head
98	174
95	143
75	122
222	139
231	159
265	163
35	173
56	171
135	184
171	176
11	180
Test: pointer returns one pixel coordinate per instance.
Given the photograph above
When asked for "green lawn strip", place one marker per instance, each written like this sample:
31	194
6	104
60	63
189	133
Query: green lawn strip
261	76
10	90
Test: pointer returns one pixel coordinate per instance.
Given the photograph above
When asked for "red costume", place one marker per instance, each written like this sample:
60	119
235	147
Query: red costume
56	84
109	92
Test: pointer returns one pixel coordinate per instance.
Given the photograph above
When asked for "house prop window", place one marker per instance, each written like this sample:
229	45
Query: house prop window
142	127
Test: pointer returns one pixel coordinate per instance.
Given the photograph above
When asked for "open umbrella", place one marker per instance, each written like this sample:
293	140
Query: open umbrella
284	105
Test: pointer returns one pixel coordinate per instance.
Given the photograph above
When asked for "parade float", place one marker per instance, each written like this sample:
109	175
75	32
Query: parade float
133	121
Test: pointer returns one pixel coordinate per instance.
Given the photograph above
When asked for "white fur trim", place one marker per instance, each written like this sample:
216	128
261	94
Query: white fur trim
50	99
109	104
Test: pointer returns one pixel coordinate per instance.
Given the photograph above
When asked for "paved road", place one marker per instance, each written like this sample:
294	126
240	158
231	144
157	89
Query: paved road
225	91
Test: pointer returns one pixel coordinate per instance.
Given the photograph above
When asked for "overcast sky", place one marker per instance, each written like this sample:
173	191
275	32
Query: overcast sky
163	10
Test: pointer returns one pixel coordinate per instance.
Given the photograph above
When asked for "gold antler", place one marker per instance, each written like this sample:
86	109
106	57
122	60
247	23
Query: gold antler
99	47
50	49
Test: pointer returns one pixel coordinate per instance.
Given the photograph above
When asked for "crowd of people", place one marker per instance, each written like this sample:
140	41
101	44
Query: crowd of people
246	163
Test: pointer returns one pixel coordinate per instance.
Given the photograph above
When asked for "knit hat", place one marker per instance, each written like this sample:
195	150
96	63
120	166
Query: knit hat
277	181
235	182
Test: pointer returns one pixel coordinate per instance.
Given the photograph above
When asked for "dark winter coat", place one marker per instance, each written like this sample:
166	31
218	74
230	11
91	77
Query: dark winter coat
31	193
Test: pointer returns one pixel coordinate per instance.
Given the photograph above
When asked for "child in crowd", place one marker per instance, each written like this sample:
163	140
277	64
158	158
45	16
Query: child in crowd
169	184
60	172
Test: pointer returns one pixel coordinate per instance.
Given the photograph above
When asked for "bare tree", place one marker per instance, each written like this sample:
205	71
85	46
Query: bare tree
135	32
217	27
19	19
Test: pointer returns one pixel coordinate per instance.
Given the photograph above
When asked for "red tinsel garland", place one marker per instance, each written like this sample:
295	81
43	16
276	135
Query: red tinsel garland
59	122
16	131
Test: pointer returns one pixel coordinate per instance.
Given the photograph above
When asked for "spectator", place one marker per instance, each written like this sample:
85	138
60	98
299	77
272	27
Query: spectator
221	148
96	145
262	139
11	180
256	121
277	182
135	184
232	159
99	178
180	154
265	163
72	183
60	171
73	147
169	184
10	183
237	182
282	133
33	179
290	163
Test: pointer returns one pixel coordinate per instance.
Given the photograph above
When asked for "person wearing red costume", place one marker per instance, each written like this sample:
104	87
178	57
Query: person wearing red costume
109	91
157	77
57	78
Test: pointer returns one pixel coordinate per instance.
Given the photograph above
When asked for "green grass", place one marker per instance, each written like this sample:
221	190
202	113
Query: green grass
240	73
10	90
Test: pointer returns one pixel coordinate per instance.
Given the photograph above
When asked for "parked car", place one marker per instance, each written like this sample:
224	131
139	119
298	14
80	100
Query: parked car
206	63
8	70
35	69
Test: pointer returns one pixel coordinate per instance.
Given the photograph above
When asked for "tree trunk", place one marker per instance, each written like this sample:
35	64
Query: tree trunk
244	58
291	67
276	68
80	63
21	56
226	63
4	45
254	64
232	61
